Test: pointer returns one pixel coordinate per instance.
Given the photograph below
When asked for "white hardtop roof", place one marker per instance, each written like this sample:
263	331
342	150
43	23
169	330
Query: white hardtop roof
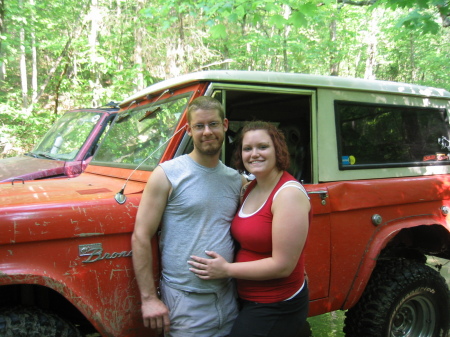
293	80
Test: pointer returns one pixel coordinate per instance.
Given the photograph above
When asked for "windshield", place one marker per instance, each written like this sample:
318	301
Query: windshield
141	134
66	137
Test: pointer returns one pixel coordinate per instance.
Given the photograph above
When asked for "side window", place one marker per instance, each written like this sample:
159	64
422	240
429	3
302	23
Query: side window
389	136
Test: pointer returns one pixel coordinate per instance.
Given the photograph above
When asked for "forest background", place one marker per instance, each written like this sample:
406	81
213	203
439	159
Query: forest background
66	54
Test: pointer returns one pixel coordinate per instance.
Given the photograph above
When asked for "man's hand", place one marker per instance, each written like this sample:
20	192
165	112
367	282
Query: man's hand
156	315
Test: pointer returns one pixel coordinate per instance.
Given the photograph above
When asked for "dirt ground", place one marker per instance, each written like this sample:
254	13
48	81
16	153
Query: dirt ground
445	270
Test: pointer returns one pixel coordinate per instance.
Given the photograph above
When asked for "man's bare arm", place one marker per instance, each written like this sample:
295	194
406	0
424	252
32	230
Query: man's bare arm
154	199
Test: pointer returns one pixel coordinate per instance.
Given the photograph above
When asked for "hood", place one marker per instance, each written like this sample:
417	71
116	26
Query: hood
29	168
86	187
40	210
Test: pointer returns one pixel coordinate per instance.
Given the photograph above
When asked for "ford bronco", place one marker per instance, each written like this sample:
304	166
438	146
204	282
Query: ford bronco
373	156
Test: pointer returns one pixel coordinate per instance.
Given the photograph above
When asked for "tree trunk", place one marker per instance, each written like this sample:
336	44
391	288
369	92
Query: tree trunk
58	86
76	33
287	30
34	75
95	17
334	64
443	12
23	66
2	32
372	48
53	69
138	49
412	60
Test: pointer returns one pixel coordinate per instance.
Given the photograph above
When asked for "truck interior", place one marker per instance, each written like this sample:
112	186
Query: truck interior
291	113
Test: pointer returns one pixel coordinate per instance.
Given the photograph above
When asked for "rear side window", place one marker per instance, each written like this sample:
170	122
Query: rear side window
391	135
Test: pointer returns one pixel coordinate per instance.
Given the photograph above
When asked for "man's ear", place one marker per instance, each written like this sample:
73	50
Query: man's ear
225	124
188	129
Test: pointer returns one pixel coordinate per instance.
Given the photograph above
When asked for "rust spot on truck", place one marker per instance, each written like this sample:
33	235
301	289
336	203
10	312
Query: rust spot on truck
83	235
94	191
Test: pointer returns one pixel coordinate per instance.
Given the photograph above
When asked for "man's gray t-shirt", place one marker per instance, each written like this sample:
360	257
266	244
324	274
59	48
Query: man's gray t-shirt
197	217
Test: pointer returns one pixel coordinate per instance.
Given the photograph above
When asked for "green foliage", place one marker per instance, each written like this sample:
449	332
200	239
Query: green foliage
218	31
89	55
328	325
18	132
417	21
298	20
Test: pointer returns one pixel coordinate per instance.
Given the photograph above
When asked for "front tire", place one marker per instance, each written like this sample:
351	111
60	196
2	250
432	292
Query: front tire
34	322
403	298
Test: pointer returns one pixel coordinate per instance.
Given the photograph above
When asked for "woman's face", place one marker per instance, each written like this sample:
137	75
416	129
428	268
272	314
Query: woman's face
258	152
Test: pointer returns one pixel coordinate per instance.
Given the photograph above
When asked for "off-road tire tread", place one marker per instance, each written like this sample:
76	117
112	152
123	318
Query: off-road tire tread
34	322
387	285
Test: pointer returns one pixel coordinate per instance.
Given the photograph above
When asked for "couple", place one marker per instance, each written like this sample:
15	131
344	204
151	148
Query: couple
195	197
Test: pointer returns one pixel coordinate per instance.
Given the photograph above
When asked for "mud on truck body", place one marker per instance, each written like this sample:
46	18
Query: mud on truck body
373	156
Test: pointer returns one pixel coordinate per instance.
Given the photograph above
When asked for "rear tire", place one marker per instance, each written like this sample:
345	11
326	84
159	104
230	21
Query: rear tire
403	298
34	322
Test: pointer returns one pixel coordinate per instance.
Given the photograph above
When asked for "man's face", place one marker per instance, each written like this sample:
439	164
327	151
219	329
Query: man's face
207	131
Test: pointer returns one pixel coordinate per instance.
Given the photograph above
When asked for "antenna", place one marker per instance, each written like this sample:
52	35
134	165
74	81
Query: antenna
120	197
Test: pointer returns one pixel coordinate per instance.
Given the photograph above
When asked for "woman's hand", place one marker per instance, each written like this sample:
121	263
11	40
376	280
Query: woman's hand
209	269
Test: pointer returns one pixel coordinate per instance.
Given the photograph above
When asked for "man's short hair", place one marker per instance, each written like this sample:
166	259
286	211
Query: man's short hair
205	103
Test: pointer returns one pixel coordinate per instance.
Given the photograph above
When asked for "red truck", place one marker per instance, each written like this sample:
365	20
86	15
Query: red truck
65	150
373	156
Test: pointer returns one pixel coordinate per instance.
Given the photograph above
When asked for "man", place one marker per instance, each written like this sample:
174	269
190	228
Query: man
194	197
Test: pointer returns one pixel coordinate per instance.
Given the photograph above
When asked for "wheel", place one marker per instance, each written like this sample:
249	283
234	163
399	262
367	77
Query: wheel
34	322
403	298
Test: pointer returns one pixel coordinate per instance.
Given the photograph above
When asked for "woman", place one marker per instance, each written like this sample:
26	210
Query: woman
271	228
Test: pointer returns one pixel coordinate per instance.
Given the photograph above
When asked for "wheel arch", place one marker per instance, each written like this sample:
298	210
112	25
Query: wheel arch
406	238
49	294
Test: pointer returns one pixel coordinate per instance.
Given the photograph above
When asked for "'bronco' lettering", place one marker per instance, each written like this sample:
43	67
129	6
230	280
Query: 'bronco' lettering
95	253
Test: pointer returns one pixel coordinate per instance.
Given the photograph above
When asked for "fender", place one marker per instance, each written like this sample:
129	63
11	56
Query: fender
100	284
37	277
384	234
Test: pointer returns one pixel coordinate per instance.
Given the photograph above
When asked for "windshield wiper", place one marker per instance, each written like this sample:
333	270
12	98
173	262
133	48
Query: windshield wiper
31	154
45	155
150	113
